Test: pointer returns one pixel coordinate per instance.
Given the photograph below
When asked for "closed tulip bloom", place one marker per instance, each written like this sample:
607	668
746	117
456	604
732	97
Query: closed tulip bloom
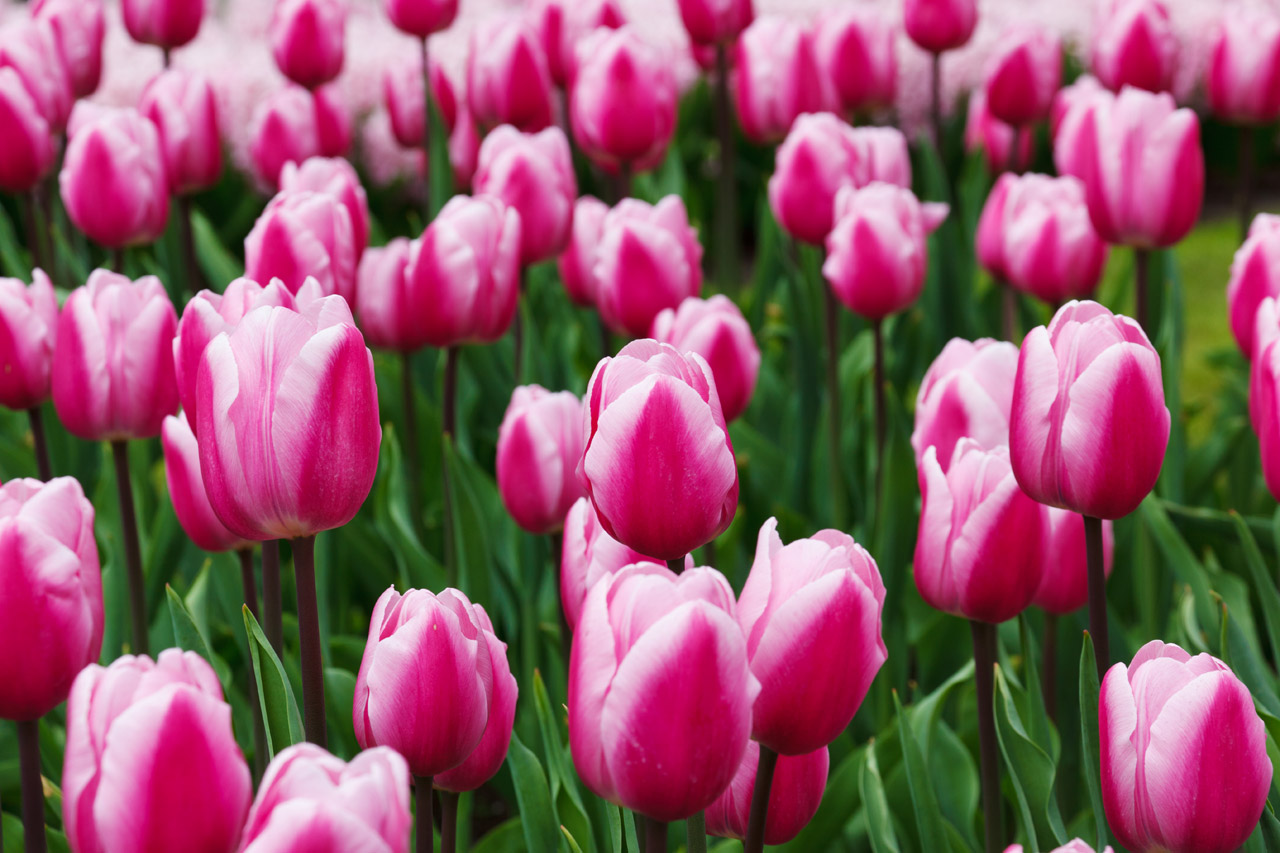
710	22
716	330
421	18
1184	755
533	174
648	259
114	181
561	24
588	553
304	235
539	445
794	796
876	252
334	130
508	81
31	48
1255	275
805	607
390	308
776	77
1023	75
940	25
1089	427
288	421
576	263
979	549
164	23
1075	845
1067	121
307	39
311	802
986	133
50	594
1134	45
185	112
28	331
623	104
1264	383
1153	199
819	156
966	393
113	374
425	685
26	143
283	128
1064	582
651	402
660	693
882	156
1242	81
857	54
336	177
402	96
78	27
187	492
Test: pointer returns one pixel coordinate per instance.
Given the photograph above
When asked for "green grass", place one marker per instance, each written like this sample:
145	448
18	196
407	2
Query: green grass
1204	261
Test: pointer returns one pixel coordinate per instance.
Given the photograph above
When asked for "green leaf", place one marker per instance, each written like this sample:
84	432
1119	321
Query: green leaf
1089	746
1263	586
533	797
1270	829
1180	558
879	822
568	836
185	632
441	174
506	837
1031	770
932	828
615	827
218	265
629	827
275	695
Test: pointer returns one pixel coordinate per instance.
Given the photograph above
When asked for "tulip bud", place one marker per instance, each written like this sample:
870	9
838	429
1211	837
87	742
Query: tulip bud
794	796
1070	106
652	403
711	22
311	801
1255	275
716	330
940	25
819	156
402	95
532	174
288	421
283	129
143	737
1075	845
303	235
857	54
1023	75
1134	45
78	29
648	259
333	122
1064	583
803	606
539	445
164	23
1183	753
31	48
101	393
337	178
28	330
185	112
587	554
1089	427
776	77
51	605
576	263
508	81
186	489
306	40
979	548
986	133
114	182
1243	78
1264	383
561	24
421	18
965	393
26	144
660	693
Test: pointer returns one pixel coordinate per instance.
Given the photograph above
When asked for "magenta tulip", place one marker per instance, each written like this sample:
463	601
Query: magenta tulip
1255	275
966	393
1075	845
533	174
185	112
1067	121
151	763
1006	149
857	54
79	27
27	149
820	155
1134	45
307	39
337	178
283	128
794	796
421	18
1064	582
164	23
1184	754
508	80
187	492
576	263
1023	75
561	24
402	96
940	25
660	693
304	235
716	330
334	130
711	22
28	331
31	48
1264	385
1242	81
387	303
539	445
588	553
776	77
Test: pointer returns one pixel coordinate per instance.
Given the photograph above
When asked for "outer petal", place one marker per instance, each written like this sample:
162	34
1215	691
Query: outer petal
1117	721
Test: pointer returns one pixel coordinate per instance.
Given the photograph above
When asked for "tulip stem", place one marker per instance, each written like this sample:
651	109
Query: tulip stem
448	402
29	202
1049	676
676	566
425	818
43	465
448	822
1244	194
1009	311
250	588
428	131
411	438
624	180
117	259
168	57
760	800
1097	594
877	332
272	605
447	425
697	833
518	329
655	835
188	245
132	551
32	786
304	570
935	100
247	582
833	406
984	659
566	636
1141	272
726	203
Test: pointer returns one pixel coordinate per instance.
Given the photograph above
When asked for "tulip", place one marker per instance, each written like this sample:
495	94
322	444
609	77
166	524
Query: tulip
304	235
965	393
1075	845
654	403
78	28
1264	381
561	24
1007	150
716	330
539	445
28	330
146	742
186	489
336	177
882	156
712	22
333	123
1023	75
798	783
402	95
533	175
421	18
623	104
306	39
311	801
576	263
1066	120
1063	587
648	259
819	156
1242	81
660	693
27	149
1134	45
185	112
857	54
588	553
508	81
776	77
283	128
389	307
114	182
164	23
1183	753
940	25
1255	275
31	47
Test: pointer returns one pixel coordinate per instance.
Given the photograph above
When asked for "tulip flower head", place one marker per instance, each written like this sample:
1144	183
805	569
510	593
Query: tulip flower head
508	80
562	24
1134	45
794	796
28	332
1242	81
164	23
1023	75
185	112
79	27
421	18
1064	584
336	177
776	77
539	445
576	263
26	142
940	25
533	175
588	553
307	39
712	22
966	393
304	235
186	489
1255	275
857	55
716	330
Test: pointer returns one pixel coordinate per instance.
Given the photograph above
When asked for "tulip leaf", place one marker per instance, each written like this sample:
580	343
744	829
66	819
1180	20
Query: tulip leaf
186	634
506	837
11	252
568	837
218	265
1179	557
1031	769
533	796
879	822
275	695
840	800
1263	585
1270	829
629	828
929	820
1089	745
615	827
440	176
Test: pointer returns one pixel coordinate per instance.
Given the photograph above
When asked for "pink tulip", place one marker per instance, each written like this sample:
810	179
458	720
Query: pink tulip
623	103
1070	106
309	802
1264	383
151	763
876	252
31	48
1243	78
283	128
533	175
304	235
333	122
185	112
882	156
986	133
588	553
337	178
464	148
857	54
27	149
648	259
650	402
1036	235
28	330
1142	168
940	25
426	682
114	181
1064	584
164	23
660	693
1184	755
965	393
577	262
716	330
387	302
307	39
1134	45
50	594
1023	74
794	796
539	445
979	549
711	22
113	374
508	80
1089	427
810	612
776	77
78	28
819	156
402	95
421	18
561	24
187	492
1255	275
1075	845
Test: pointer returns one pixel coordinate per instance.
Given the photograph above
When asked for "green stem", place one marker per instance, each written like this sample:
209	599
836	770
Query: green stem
833	406
448	416
32	786
760	800
272	601
448	822
697	832
1097	594
655	835
984	658
188	245
43	465
250	589
425	818
304	570
1244	193
407	395
1141	275
726	203
132	551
